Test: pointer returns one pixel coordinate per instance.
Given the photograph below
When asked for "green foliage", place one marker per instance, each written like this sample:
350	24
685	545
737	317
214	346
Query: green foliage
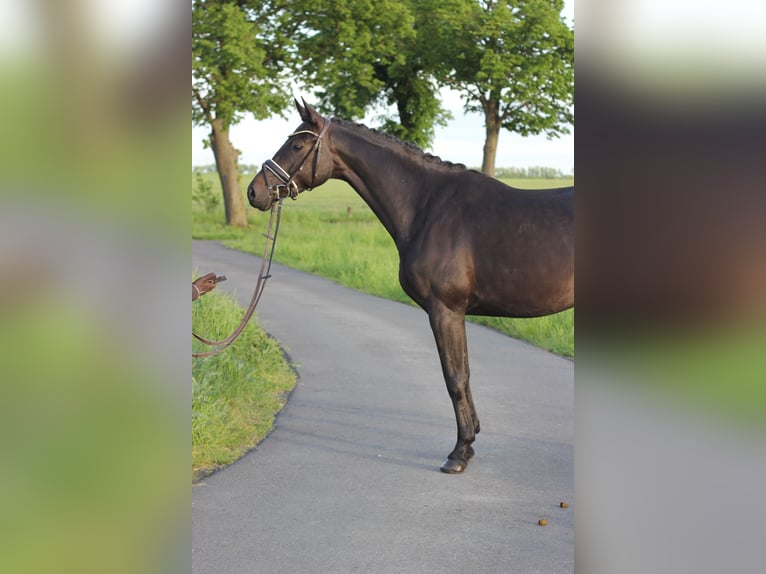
414	94
514	59
365	54
202	194
344	43
237	393
511	60
239	49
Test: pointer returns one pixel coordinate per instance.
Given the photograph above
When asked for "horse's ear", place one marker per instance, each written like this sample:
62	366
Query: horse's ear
302	110
309	114
312	116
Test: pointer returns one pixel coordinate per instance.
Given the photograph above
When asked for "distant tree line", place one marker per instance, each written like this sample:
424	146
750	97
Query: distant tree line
536	171
244	168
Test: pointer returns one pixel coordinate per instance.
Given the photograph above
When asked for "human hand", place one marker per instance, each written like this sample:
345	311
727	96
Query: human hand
205	283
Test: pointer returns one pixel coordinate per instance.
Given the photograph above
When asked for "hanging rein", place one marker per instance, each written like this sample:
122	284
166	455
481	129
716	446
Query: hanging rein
285	188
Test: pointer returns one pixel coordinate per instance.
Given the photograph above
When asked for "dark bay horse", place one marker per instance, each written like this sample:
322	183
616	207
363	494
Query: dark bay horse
468	244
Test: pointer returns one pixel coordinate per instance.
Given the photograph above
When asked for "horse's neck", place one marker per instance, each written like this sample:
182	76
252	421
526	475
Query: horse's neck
380	175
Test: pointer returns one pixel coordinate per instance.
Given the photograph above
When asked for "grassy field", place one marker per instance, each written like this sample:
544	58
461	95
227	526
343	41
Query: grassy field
331	232
236	394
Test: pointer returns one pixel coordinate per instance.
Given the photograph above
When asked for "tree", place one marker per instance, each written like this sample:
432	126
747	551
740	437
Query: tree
410	87
367	53
238	50
512	60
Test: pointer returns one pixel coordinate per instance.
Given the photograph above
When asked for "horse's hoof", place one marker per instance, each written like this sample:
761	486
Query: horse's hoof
453	466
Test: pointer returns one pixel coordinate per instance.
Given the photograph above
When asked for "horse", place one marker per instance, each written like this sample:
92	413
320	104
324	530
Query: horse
468	244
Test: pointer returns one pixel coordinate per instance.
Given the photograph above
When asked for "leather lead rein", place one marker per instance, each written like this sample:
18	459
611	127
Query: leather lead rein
263	275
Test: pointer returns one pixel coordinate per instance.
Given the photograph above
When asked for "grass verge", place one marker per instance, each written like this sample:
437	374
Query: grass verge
236	394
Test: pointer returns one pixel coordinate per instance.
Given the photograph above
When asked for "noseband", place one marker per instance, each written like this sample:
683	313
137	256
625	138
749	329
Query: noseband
287	186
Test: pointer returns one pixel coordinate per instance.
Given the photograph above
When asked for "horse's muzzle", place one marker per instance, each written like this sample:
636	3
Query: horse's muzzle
264	203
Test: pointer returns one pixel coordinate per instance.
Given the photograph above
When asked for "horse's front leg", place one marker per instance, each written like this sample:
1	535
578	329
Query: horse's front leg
449	331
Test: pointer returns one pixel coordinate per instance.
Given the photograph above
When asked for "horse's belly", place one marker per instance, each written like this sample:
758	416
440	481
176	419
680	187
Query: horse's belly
522	296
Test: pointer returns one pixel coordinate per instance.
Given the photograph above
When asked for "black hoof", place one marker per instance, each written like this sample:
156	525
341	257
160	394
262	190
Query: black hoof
453	466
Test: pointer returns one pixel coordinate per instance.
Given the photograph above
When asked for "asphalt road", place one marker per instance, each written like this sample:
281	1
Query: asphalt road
349	479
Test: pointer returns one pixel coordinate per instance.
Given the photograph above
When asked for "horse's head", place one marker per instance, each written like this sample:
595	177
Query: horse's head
302	163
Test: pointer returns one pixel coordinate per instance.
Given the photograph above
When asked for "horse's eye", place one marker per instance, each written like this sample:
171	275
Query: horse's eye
297	146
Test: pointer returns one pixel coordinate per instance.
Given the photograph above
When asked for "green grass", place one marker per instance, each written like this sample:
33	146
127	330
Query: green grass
331	232
236	394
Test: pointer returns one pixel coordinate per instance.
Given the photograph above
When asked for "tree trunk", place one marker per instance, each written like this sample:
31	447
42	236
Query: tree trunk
226	163
492	131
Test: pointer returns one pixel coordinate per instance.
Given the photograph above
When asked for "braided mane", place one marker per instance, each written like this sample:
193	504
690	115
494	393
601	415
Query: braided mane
410	148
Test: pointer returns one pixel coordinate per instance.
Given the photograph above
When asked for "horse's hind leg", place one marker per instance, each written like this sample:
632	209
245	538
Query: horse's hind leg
474	416
449	331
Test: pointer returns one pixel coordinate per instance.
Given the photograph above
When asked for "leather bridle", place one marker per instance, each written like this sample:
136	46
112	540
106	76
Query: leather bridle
287	186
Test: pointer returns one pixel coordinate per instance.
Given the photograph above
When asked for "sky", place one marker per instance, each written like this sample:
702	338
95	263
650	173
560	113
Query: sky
461	141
